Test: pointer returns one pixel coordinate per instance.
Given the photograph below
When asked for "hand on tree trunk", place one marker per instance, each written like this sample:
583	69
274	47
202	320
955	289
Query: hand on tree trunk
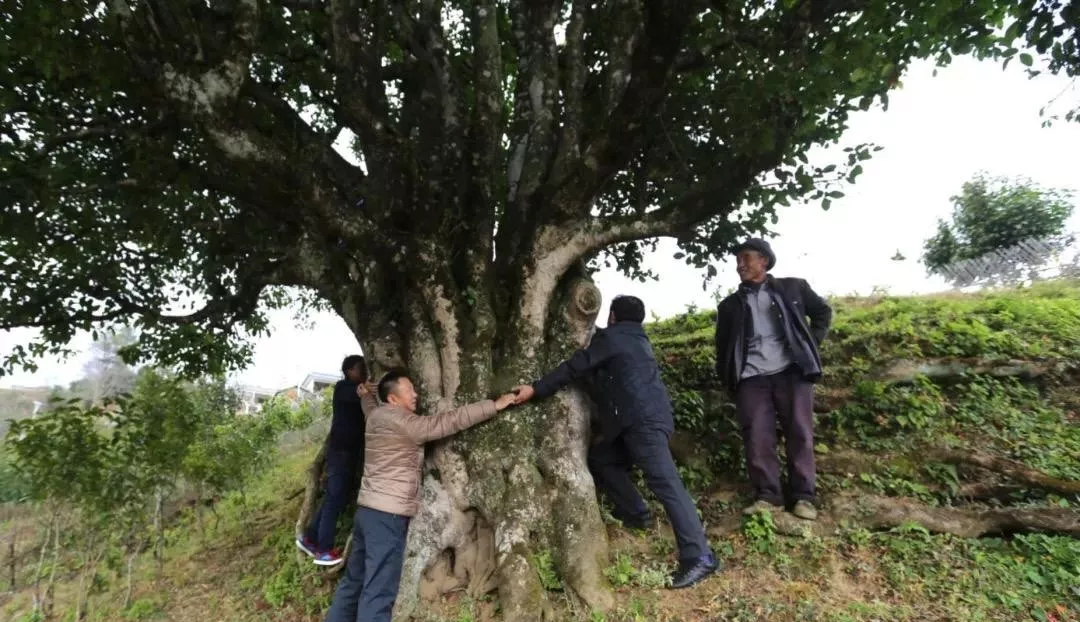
367	388
523	393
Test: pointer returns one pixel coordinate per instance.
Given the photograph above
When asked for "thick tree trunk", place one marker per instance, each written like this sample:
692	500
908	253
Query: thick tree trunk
500	496
497	497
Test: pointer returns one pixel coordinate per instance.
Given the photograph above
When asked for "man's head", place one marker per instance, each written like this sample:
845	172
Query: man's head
396	388
753	260
354	368
626	309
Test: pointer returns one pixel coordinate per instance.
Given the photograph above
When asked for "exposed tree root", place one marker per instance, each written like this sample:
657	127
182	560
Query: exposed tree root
1011	469
845	462
954	370
940	371
876	512
311	490
983	491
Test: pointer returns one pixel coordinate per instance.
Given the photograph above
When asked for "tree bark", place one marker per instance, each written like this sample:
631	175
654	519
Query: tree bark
982	491
159	531
952	370
12	560
495	496
875	512
311	490
1015	471
48	601
132	555
38	598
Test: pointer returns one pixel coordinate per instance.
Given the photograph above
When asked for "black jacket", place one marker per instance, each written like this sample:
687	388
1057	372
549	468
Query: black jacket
795	301
619	361
347	426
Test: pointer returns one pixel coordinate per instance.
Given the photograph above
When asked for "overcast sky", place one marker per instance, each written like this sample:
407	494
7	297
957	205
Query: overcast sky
937	133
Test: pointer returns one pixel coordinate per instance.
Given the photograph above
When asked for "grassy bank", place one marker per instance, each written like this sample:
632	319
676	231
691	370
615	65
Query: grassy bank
992	373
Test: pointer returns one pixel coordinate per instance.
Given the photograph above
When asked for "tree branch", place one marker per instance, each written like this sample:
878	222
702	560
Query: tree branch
358	79
573	89
533	118
424	38
1013	470
302	5
610	147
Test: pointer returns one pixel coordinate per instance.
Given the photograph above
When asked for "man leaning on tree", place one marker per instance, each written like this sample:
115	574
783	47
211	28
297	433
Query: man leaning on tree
637	427
767	356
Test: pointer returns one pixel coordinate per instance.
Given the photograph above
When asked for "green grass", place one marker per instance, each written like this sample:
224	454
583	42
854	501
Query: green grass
244	568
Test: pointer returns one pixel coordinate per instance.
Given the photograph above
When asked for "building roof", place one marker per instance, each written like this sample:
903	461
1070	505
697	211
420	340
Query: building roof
316	376
249	388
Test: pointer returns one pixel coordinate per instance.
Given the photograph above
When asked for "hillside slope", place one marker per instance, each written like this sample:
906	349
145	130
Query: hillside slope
941	418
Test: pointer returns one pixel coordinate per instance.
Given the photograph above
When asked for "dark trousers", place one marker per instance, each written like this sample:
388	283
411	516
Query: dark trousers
340	486
367	591
647	447
762	401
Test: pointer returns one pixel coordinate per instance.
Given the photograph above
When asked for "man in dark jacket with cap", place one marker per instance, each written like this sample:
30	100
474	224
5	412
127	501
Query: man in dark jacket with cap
767	356
637	423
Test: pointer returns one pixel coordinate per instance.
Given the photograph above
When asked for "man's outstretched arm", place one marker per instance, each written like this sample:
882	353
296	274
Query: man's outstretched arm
434	427
580	365
365	392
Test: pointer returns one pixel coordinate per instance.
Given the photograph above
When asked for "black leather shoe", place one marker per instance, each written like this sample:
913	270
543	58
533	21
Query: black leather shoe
694	572
637	522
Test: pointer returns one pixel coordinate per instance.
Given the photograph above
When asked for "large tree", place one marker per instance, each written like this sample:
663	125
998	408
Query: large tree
1009	226
171	164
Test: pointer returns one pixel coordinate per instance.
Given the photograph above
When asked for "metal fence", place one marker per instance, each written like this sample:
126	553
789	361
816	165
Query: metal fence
1028	261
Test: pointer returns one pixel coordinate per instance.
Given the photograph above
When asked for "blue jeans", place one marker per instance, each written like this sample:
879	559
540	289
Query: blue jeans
367	591
340	476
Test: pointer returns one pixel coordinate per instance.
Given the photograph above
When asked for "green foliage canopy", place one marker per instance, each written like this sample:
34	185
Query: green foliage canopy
171	164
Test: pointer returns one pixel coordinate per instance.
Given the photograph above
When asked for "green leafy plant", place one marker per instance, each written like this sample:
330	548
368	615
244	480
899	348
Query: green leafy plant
760	532
621	572
545	568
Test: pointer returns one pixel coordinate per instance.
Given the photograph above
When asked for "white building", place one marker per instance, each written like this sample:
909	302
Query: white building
252	398
315	382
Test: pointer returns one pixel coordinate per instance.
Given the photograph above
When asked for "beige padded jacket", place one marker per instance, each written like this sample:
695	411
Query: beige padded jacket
394	450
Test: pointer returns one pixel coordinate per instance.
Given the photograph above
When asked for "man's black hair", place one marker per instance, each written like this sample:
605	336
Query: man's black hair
628	309
351	361
389	383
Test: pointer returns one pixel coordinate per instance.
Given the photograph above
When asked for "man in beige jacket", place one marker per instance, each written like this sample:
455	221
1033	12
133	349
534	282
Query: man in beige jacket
394	438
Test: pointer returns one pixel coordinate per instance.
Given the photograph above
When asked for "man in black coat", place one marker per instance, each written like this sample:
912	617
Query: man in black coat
767	356
344	455
637	425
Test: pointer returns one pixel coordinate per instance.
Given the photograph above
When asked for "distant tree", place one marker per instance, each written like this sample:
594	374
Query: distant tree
995	215
107	375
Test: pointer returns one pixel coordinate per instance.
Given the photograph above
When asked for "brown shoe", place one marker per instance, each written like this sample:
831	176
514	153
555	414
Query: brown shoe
805	510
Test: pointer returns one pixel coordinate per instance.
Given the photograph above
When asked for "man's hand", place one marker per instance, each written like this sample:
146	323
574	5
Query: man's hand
524	393
504	401
367	388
